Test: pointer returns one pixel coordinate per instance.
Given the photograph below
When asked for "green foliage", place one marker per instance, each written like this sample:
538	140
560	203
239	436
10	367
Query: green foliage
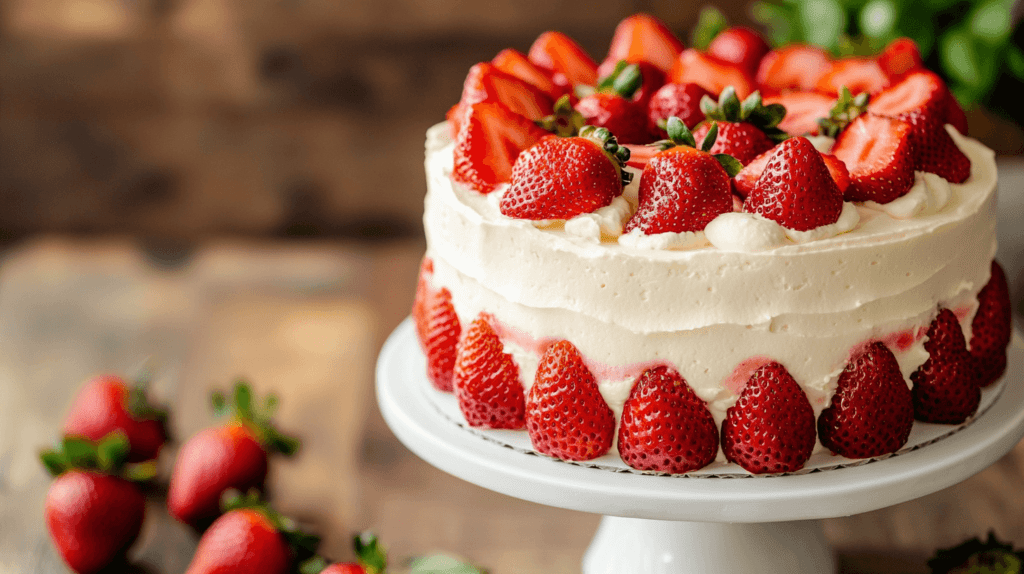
977	557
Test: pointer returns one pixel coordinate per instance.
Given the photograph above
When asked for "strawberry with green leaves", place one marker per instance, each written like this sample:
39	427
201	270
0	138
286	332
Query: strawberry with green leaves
679	100
745	129
371	558
106	404
804	111
613	106
796	189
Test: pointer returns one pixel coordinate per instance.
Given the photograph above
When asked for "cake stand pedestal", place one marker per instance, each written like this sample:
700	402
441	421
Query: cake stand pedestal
681	525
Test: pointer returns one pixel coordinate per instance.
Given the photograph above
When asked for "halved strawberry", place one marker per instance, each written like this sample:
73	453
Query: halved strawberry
899	57
569	63
872	410
945	390
440	337
487	145
991	329
796	189
741	46
879	153
745	181
486	380
665	426
711	73
514	62
560	178
803	110
856	74
566	416
771	426
679	100
640	155
794	67
486	83
642	38
745	130
837	169
613	107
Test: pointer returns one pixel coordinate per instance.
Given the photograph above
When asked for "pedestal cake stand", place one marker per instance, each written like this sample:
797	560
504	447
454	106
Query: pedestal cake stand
708	524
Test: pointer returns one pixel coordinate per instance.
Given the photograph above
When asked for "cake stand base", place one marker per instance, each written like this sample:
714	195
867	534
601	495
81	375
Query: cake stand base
672	547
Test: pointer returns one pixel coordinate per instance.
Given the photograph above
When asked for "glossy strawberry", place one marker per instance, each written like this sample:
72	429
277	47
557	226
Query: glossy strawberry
740	46
803	111
900	57
770	429
440	338
796	189
516	63
855	74
679	100
936	151
665	426
745	181
711	73
872	410
486	83
793	67
745	129
991	328
642	38
569	63
344	568
560	178
682	188
566	416
372	559
419	302
106	404
241	541
612	106
488	144
945	390
879	153
486	380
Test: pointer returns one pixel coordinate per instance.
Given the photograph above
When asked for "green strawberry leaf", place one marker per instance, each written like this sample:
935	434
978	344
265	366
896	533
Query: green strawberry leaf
976	557
220	404
371	554
54	461
243	400
80	453
750	105
442	564
710	23
732	165
709	139
679	133
112	451
140	472
314	565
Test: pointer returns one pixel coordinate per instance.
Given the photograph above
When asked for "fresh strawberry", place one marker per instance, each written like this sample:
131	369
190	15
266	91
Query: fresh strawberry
872	410
945	390
486	380
920	90
796	189
900	57
516	63
665	426
640	155
771	426
232	455
679	100
488	143
991	329
855	74
803	111
568	62
372	559
936	151
612	106
419	302
93	509
837	169
745	130
560	178
344	568
440	338
683	188
745	181
711	73
642	38
879	153
486	83
741	46
653	80
106	404
794	67
566	416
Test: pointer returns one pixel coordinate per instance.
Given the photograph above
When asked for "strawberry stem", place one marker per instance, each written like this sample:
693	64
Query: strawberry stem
752	110
247	411
624	80
107	456
565	121
618	154
842	114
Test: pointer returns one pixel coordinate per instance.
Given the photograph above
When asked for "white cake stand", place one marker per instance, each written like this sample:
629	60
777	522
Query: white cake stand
681	525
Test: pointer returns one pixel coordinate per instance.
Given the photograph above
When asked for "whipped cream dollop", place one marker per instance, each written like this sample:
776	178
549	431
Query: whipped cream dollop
750	232
607	221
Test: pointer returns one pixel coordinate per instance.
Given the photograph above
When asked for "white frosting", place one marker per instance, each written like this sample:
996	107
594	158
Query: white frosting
606	221
751	233
929	195
637	239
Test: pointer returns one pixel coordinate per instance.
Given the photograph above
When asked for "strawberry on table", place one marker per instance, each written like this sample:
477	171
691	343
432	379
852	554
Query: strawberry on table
569	64
796	189
486	83
745	129
679	100
642	38
991	329
794	67
741	46
613	106
879	153
945	390
855	74
560	178
803	111
514	62
665	426
770	429
872	410
106	404
566	416
711	73
490	140
371	556
486	380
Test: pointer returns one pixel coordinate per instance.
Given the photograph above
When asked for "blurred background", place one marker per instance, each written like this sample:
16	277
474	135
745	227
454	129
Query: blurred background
235	188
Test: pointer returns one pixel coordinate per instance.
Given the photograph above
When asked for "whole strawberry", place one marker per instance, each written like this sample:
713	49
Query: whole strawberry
613	106
439	334
230	456
771	426
741	46
945	390
745	129
665	426
560	178
796	189
566	416
991	329
486	380
106	404
872	410
371	556
93	509
679	100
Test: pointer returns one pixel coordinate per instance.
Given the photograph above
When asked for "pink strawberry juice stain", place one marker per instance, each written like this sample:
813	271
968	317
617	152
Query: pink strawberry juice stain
737	380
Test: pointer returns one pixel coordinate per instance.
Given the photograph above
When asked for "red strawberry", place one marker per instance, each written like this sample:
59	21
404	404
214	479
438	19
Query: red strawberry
515	63
344	568
745	181
241	541
642	38
566	415
855	74
991	329
955	115
803	110
837	169
945	390
665	426
682	188
106	404
679	100
233	455
744	141
486	380
440	338
900	57
741	46
936	151
569	62
639	155
653	80
745	129
613	106
419	302
371	555
872	410
919	90
560	178
771	426
711	73
879	153
796	189
794	67
488	144
486	83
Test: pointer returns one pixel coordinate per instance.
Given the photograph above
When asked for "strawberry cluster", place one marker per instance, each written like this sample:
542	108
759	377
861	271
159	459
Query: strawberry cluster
514	103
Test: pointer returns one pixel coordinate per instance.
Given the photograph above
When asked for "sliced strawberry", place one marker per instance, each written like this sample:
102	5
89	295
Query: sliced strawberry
741	46
486	83
515	63
440	338
570	64
640	155
680	100
642	38
665	426
899	57
711	73
771	426
803	110
872	410
859	75
796	189
486	380
837	169
991	329
488	144
566	416
945	390
917	91
879	153
794	67
745	181
419	302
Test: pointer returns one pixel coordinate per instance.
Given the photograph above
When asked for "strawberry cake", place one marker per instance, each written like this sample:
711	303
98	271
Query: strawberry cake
731	258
